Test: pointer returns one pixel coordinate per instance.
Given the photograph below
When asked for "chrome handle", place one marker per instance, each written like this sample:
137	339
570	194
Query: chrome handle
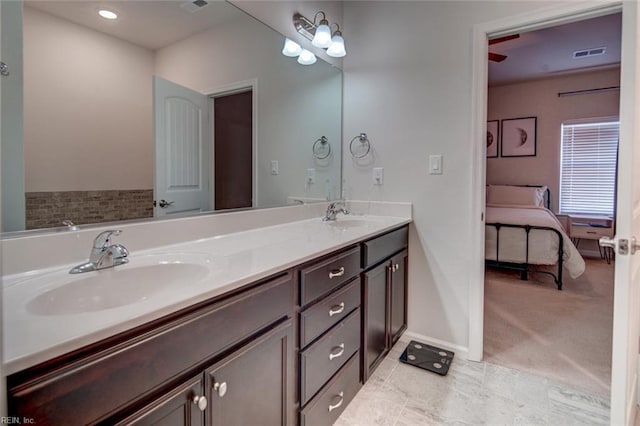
337	309
607	242
337	404
338	273
164	204
200	401
338	353
103	239
634	245
4	69
220	388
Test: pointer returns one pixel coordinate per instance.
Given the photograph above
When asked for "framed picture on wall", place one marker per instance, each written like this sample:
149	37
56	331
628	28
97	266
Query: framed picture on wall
493	139
518	137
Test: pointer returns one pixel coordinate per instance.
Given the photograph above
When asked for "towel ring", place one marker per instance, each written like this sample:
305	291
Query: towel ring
364	140
319	145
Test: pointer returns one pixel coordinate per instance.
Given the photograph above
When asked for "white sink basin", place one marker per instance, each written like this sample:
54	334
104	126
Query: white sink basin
140	280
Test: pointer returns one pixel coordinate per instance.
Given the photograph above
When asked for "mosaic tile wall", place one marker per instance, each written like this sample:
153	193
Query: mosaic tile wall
49	209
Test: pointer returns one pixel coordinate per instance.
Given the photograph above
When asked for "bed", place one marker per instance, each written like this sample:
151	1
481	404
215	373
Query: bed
522	233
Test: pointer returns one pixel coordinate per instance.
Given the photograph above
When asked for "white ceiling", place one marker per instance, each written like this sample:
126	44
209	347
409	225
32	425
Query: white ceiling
549	51
150	24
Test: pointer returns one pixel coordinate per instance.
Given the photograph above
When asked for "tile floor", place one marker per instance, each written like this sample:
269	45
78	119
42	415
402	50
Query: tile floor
470	394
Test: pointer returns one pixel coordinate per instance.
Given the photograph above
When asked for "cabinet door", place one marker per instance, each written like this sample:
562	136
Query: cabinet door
375	317
254	385
180	406
398	302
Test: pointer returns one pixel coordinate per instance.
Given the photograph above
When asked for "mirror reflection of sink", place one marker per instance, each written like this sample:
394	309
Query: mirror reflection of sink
120	286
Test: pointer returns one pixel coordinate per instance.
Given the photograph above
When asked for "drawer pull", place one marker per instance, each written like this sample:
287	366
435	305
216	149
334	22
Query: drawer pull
337	404
200	401
591	232
338	273
337	309
220	388
339	350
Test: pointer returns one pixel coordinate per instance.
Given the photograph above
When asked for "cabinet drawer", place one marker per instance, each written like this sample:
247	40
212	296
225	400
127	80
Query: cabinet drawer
384	246
99	385
319	279
590	232
321	360
321	316
327	406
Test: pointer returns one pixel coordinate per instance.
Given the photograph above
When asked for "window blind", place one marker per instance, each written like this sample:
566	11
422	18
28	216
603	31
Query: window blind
588	168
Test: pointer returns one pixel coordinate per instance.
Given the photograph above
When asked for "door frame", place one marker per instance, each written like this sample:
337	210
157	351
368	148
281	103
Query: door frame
230	89
545	17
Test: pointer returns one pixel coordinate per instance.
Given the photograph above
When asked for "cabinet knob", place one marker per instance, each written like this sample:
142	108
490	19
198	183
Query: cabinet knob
200	401
337	309
337	273
220	388
396	267
340	400
336	351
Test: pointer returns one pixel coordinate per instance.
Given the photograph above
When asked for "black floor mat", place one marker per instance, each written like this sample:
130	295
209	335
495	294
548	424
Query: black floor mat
427	357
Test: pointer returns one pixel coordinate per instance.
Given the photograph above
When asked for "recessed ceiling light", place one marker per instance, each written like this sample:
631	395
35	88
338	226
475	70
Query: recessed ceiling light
107	14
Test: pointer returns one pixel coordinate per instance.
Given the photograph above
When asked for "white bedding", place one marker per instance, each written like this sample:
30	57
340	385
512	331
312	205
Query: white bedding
543	245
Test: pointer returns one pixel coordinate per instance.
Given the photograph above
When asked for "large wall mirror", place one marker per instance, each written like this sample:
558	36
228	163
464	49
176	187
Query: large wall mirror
174	108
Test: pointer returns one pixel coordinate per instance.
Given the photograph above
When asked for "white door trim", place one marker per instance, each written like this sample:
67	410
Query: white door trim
229	89
530	21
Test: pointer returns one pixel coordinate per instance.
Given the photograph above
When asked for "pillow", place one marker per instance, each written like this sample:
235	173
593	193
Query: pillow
516	195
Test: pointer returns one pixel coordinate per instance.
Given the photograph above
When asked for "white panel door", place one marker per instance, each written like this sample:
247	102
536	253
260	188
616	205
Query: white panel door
182	149
626	320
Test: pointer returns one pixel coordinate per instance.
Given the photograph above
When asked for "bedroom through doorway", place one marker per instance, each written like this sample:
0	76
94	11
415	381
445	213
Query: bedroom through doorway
553	104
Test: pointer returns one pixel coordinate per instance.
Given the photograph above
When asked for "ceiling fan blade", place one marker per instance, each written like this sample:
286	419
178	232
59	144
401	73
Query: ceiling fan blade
503	39
496	57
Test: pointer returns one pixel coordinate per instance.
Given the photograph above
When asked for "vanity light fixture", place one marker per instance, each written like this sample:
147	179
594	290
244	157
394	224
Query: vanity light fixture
291	48
320	34
107	14
306	58
336	49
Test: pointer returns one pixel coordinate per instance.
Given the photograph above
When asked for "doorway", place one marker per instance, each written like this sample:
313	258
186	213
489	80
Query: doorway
627	294
233	150
565	337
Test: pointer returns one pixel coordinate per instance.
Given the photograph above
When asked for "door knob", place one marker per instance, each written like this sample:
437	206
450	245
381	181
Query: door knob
621	245
164	204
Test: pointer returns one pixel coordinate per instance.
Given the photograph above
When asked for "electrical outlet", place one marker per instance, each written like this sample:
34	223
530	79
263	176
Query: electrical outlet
311	175
275	167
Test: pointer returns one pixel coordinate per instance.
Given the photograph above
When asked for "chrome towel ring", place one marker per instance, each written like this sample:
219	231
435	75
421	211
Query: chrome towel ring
365	146
321	148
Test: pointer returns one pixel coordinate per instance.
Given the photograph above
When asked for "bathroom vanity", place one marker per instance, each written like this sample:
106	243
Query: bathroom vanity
292	346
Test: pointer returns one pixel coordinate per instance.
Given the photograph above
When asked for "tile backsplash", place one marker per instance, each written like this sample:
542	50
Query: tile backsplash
49	209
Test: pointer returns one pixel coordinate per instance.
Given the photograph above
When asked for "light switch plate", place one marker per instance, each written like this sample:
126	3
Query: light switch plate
311	175
378	176
435	164
275	167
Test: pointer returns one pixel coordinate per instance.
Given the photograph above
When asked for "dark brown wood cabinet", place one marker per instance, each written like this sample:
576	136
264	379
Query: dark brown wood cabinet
384	295
179	406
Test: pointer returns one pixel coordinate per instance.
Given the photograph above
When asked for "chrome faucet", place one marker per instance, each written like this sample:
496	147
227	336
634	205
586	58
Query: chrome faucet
103	254
333	210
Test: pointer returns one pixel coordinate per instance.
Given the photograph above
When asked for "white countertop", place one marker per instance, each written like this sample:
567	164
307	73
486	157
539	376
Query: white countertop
232	261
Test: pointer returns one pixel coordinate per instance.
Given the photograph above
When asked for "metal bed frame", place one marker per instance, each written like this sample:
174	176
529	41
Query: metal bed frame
524	268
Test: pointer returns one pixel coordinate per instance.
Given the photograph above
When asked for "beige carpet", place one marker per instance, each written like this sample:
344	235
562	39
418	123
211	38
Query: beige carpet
563	335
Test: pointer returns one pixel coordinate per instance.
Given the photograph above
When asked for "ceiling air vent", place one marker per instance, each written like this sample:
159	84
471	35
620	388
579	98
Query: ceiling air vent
589	52
194	6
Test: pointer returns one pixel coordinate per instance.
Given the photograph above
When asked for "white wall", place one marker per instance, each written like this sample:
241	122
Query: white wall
408	85
296	104
539	98
87	108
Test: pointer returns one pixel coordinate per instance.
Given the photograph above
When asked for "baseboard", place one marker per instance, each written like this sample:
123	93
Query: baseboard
459	350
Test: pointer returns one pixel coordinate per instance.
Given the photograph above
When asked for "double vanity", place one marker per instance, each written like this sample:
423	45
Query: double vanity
271	326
